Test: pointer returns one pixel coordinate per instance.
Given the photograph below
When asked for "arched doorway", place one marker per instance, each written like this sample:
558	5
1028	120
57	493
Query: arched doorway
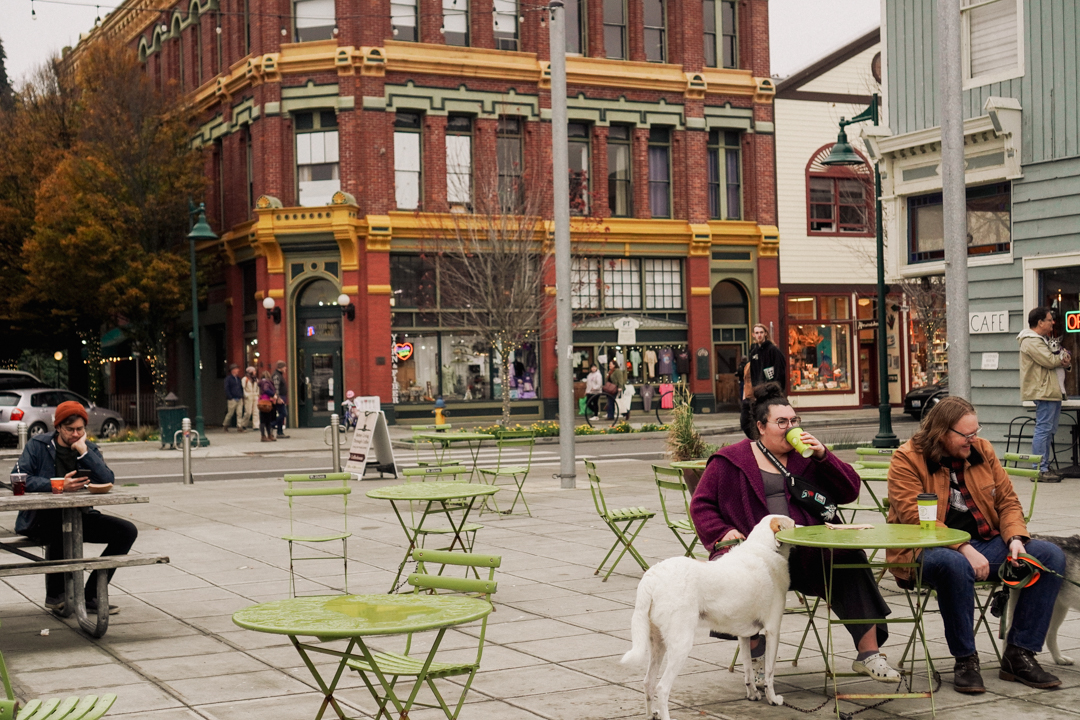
318	354
730	316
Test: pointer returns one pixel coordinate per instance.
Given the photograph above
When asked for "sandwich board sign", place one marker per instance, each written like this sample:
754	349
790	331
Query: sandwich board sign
371	441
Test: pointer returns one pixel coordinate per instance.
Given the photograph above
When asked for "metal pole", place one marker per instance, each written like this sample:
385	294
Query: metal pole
954	199
561	190
198	354
885	438
22	435
185	432
335	441
138	404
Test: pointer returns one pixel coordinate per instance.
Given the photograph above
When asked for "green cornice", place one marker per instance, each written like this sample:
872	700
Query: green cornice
443	101
177	24
243	113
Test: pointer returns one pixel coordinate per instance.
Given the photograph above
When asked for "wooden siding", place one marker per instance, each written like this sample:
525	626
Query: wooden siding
1046	221
1047	92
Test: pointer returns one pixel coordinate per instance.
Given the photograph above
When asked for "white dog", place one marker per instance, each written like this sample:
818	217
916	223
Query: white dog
1068	597
741	593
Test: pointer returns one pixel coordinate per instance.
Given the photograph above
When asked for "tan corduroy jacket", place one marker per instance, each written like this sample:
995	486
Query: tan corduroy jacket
990	487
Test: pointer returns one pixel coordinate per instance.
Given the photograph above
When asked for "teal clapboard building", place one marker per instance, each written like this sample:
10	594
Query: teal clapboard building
1021	62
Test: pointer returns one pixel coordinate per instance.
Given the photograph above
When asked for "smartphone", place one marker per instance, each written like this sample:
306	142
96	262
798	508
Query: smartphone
81	473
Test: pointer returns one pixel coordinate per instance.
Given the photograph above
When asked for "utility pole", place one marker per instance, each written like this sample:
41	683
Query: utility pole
954	198
561	195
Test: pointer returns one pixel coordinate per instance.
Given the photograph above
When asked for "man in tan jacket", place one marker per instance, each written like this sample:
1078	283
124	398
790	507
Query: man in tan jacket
946	457
1039	383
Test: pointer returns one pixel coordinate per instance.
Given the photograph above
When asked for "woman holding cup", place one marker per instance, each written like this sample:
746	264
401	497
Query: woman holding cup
746	481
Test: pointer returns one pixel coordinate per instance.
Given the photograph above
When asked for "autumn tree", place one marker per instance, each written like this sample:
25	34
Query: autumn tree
108	239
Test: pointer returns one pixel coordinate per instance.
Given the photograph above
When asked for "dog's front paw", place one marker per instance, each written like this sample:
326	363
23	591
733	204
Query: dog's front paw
775	699
752	692
1063	660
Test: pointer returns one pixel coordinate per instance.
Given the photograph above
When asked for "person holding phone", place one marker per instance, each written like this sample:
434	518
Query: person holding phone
67	453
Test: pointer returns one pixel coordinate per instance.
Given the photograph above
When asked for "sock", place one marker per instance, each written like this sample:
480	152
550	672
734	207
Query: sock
867	653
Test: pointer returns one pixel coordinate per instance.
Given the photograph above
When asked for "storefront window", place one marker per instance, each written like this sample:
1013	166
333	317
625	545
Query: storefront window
417	367
1061	293
819	352
466	372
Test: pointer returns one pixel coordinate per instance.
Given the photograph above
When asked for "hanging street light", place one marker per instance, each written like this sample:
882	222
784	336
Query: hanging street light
201	231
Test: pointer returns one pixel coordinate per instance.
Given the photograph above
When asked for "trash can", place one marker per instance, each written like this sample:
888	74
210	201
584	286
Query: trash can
169	420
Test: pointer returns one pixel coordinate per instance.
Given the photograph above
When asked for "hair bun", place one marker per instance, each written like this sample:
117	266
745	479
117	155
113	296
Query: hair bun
768	391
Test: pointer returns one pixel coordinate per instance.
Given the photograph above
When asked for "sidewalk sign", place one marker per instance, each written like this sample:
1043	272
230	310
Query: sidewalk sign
371	430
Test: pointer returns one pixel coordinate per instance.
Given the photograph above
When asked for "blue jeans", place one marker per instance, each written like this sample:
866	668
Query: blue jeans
950	573
1047	414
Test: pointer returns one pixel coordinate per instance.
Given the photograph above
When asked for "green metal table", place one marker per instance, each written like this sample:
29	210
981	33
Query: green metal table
441	441
354	617
438	498
879	537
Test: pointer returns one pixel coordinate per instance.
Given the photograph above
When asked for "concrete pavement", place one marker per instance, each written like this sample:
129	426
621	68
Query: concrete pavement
553	643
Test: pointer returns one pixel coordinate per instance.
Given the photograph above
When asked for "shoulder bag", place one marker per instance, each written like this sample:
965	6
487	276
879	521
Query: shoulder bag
803	493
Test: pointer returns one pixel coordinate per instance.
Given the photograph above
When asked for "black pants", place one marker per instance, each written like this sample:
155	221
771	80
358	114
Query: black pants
268	421
117	534
592	404
610	406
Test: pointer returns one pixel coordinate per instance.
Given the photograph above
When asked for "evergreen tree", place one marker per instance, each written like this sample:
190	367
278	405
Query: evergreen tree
7	95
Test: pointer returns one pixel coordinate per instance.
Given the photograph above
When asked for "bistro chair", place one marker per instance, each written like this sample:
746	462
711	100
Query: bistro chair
625	523
672	488
510	464
1029	470
445	473
311	486
393	666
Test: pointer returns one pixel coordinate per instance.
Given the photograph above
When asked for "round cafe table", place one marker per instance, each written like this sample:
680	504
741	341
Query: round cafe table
354	617
877	537
441	441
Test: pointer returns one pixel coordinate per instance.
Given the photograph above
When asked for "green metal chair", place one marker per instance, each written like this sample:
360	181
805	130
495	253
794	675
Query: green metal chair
438	448
444	473
1030	471
394	666
516	472
672	488
632	520
318	485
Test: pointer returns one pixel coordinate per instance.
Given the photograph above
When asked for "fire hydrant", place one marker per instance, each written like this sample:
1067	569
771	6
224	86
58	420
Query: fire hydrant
440	412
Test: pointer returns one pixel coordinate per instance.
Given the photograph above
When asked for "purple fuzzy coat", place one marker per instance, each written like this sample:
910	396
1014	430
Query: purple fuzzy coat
731	492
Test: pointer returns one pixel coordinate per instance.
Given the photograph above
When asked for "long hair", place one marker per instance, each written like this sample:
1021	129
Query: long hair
766	396
763	328
938	422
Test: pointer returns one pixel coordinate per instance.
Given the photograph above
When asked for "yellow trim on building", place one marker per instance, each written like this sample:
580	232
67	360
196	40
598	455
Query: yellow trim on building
378	290
700	291
769	292
276	293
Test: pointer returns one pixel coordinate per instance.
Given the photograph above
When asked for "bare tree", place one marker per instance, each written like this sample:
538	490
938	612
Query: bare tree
492	263
925	296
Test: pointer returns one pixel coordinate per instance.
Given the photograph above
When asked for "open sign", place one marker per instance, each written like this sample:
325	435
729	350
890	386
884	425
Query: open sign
1072	321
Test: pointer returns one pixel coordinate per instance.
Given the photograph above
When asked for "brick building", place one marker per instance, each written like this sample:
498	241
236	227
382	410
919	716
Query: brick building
334	137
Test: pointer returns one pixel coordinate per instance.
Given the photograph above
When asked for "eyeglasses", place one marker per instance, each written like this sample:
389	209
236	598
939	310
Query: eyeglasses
785	423
970	436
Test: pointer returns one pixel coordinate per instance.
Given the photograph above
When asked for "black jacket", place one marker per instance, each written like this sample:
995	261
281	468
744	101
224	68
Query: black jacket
38	461
767	364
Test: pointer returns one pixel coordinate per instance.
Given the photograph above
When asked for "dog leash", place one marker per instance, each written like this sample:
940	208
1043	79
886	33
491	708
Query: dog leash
1018	577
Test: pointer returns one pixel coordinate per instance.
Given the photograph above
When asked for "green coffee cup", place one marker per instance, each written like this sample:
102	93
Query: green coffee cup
794	438
927	510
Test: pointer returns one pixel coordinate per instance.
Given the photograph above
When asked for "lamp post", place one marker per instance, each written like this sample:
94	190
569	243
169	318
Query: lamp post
138	405
58	356
843	154
201	231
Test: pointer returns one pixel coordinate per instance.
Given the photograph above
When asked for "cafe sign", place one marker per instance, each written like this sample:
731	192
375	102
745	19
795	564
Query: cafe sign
984	323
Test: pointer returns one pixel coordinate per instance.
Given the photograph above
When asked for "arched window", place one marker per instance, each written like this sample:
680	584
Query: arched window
729	304
320	293
840	198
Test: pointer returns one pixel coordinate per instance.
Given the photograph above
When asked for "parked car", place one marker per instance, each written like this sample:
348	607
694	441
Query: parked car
35	407
12	379
919	401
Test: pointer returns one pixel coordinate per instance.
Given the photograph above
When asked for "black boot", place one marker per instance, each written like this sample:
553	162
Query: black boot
1019	665
966	675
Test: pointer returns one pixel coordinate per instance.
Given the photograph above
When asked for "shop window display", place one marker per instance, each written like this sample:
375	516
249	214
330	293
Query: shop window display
417	359
819	357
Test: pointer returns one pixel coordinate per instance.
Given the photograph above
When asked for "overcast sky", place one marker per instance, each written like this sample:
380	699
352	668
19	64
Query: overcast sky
801	30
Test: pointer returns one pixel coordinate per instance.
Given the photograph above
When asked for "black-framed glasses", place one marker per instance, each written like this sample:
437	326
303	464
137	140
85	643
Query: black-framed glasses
785	423
970	436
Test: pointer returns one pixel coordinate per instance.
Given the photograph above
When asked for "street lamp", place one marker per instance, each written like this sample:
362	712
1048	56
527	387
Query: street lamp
201	231
58	356
138	404
843	154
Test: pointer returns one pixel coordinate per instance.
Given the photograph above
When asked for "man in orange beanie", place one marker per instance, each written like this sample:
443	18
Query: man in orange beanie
67	453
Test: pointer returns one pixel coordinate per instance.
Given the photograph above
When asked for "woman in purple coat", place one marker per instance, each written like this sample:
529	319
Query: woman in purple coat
741	485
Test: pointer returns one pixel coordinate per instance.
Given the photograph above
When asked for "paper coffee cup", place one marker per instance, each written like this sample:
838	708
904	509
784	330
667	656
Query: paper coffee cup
57	485
794	438
927	510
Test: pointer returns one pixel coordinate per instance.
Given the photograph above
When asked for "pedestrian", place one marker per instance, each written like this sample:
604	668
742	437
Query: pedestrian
1039	383
281	386
613	388
947	458
67	453
250	383
594	384
234	399
767	364
267	407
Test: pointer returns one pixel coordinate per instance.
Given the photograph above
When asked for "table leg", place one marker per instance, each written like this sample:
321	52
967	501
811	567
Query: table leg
72	528
388	687
326	690
411	536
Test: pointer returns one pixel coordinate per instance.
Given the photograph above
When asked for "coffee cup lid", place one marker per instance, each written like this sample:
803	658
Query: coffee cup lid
927	496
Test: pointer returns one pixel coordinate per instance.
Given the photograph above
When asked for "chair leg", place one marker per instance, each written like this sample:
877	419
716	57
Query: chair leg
628	545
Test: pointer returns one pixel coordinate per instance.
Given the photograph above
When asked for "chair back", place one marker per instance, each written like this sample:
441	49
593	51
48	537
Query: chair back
874	451
435	472
417	429
319	485
423	580
594	488
513	444
1029	470
513	434
672	487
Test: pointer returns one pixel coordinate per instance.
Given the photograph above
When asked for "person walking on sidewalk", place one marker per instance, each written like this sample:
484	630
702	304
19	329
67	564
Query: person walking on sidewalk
767	364
1039	383
616	381
250	383
594	384
234	399
281	387
267	407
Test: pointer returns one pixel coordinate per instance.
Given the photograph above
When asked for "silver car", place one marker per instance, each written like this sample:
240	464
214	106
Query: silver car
35	407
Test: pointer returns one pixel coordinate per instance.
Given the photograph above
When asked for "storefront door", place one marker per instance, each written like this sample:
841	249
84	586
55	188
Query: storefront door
318	354
727	383
868	380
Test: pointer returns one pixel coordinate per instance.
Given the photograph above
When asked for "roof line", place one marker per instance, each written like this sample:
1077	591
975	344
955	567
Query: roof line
815	70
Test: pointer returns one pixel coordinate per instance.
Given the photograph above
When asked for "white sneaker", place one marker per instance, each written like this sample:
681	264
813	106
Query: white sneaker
877	667
594	418
758	666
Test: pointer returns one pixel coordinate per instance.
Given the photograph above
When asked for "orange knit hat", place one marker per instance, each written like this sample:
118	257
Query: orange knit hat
66	409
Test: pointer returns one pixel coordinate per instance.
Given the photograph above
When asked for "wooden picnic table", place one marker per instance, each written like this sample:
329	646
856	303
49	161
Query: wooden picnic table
73	564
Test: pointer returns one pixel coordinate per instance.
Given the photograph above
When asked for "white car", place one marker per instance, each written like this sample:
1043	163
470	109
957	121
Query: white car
35	407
